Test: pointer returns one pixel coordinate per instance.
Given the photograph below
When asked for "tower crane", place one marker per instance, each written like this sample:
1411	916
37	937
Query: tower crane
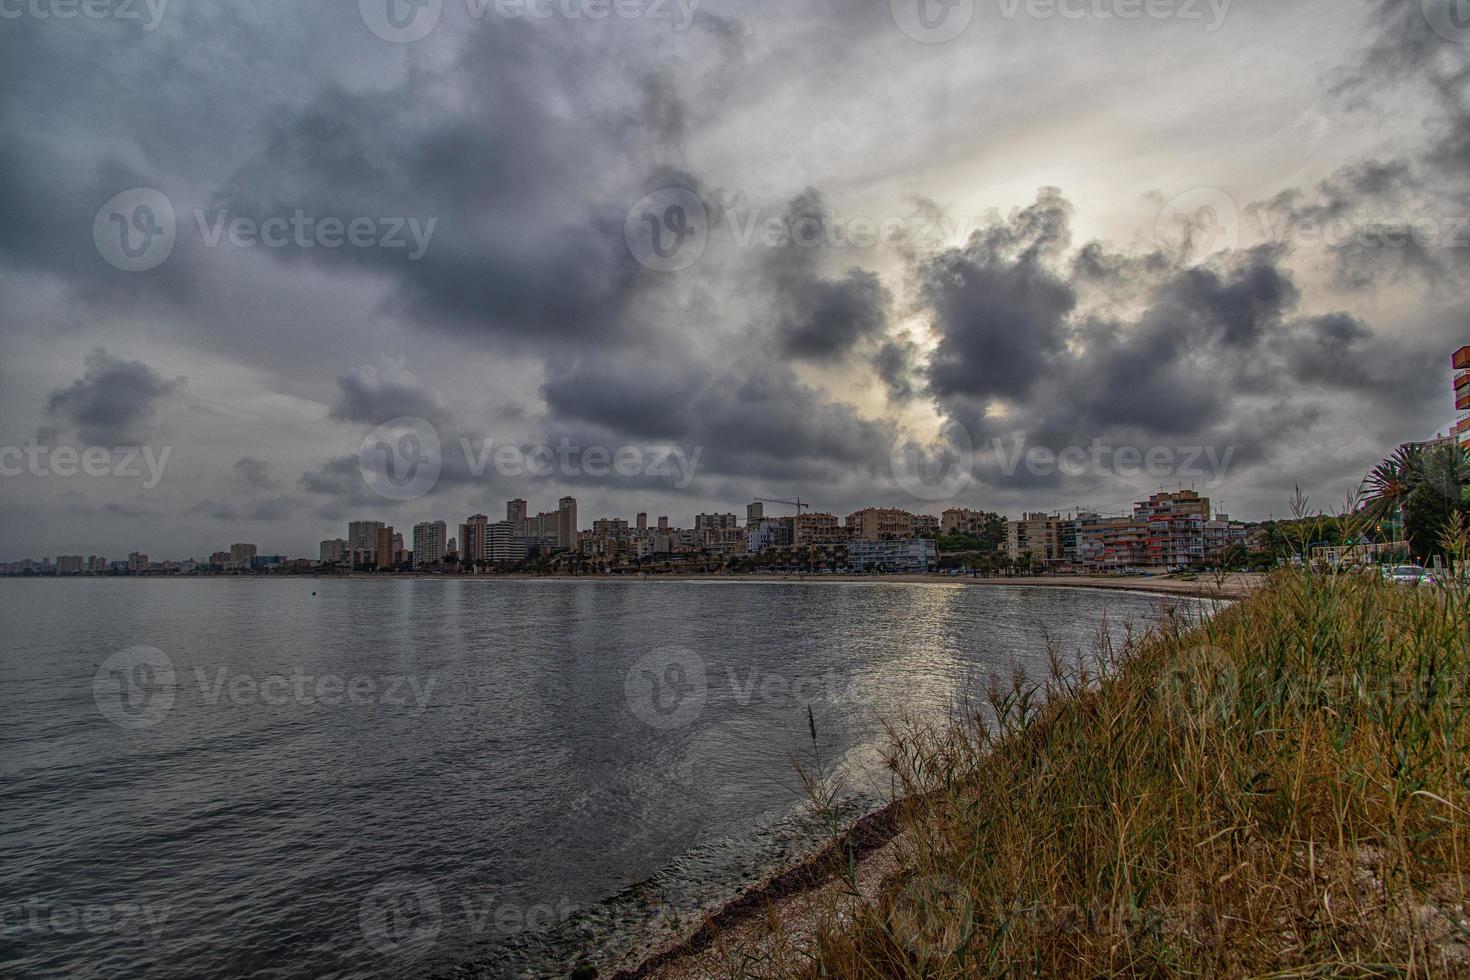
798	503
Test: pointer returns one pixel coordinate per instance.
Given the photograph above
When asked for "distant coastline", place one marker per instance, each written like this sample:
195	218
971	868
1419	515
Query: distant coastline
1236	585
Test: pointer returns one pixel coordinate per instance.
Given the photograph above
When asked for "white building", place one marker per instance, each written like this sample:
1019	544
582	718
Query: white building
894	555
430	543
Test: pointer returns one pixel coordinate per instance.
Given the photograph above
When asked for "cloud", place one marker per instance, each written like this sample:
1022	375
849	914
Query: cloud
821	318
112	403
255	473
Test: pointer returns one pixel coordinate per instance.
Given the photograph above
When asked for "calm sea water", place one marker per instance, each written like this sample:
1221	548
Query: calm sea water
286	778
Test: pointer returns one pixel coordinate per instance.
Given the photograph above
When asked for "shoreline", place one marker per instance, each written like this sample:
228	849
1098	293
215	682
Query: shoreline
795	893
1234	585
869	840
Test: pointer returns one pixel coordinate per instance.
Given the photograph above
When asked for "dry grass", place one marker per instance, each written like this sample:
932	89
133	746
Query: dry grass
1284	790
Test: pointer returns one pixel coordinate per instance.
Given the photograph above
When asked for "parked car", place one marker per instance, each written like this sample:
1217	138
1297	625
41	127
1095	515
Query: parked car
1408	574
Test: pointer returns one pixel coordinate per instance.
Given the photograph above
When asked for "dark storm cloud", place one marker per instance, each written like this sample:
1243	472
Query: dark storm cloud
819	317
1364	218
1216	354
112	403
897	363
998	308
754	417
528	246
374	395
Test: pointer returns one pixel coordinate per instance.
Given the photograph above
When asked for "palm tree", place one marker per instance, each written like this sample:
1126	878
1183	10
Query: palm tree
1391	481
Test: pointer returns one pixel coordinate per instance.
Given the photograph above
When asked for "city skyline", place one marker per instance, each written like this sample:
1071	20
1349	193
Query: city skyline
1048	537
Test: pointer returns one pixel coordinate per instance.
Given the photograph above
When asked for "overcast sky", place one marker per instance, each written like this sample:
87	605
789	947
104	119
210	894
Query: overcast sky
886	242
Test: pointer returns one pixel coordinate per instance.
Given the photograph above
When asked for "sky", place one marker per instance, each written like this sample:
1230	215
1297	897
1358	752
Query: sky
267	268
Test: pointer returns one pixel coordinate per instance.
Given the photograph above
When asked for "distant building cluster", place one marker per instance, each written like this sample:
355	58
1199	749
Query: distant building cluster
1167	531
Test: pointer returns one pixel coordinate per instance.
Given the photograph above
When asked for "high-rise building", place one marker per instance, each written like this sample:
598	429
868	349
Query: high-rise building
68	564
388	544
566	534
707	522
242	552
1036	535
610	527
335	550
430	543
1112	544
754	513
474	539
503	543
642	522
516	511
1460	361
663	524
362	536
